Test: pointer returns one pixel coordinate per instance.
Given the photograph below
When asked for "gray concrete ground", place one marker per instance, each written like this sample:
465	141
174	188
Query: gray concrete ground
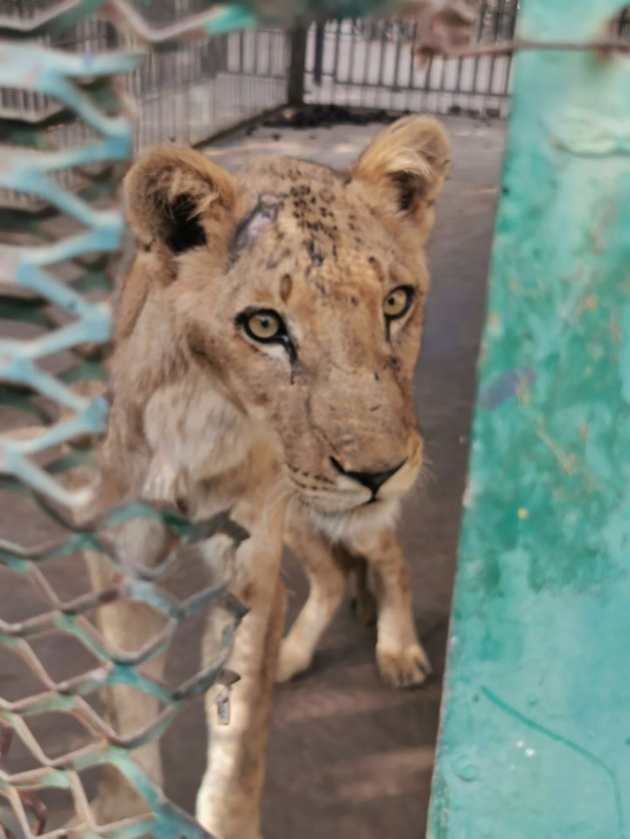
348	756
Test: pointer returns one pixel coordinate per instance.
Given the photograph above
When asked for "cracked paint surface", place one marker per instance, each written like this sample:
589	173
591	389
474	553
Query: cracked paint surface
535	740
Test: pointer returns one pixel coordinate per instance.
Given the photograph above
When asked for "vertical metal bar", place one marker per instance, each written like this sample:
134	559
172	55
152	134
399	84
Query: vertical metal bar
381	61
241	71
255	34
335	74
458	79
396	78
320	34
297	65
498	12
353	40
367	47
270	71
241	52
412	65
440	97
427	82
480	29
220	80
536	703
513	12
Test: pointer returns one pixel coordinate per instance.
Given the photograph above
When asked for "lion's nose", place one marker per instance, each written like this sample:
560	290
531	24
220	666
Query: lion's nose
372	480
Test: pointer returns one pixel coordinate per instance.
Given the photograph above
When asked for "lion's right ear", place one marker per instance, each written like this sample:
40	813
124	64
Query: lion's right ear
177	196
403	169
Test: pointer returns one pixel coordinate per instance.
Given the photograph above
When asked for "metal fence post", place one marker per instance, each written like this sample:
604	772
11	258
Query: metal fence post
320	40
535	726
297	65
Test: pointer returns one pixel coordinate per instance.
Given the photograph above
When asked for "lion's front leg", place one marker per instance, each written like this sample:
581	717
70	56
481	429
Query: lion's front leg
228	802
401	657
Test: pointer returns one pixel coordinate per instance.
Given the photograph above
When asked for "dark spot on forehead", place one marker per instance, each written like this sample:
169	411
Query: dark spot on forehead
378	268
316	258
286	286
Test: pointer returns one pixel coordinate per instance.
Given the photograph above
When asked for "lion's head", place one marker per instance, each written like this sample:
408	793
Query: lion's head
300	292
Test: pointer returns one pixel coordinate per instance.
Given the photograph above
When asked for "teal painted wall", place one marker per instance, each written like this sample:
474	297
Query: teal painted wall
535	740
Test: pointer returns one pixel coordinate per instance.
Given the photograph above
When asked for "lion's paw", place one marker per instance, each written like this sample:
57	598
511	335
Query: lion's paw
403	668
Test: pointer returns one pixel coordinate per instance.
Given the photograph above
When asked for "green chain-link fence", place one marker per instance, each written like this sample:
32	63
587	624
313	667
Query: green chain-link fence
62	230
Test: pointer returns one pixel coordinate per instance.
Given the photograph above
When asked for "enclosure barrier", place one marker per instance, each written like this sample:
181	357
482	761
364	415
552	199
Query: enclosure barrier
58	256
535	729
372	64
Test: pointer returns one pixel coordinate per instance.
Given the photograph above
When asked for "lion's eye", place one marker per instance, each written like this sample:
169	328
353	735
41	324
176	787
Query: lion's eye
397	302
264	326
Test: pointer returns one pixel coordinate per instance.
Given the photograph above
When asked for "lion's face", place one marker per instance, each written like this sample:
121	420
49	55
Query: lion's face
301	292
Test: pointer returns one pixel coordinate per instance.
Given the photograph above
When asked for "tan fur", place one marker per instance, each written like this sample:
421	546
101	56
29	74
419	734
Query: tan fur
205	418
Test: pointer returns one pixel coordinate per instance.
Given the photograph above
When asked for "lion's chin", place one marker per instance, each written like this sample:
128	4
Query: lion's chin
346	524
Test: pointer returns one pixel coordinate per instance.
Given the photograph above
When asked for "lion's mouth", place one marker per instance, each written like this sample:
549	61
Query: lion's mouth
336	506
348	496
336	503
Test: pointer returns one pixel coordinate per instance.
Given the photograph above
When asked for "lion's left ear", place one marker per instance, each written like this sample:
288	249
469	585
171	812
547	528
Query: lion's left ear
405	166
179	197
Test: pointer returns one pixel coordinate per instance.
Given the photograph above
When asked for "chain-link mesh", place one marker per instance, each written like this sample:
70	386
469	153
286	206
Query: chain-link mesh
62	229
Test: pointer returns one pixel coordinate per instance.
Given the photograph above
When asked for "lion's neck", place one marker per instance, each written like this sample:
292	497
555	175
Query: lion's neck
175	436
200	444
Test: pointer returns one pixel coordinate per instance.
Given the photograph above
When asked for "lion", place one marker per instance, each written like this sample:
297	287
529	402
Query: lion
265	344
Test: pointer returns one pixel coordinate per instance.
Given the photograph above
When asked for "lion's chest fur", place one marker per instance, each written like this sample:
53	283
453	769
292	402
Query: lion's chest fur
205	454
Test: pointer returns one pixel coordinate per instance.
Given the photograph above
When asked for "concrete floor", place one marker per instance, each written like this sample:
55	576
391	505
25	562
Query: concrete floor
348	756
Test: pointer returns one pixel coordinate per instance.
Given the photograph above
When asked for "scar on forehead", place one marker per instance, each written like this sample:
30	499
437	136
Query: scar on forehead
261	219
286	286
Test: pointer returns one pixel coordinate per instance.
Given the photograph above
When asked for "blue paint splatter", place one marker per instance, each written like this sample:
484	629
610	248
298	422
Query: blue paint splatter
506	387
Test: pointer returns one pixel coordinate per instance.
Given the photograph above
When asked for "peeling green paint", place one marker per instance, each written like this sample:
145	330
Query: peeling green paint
536	714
